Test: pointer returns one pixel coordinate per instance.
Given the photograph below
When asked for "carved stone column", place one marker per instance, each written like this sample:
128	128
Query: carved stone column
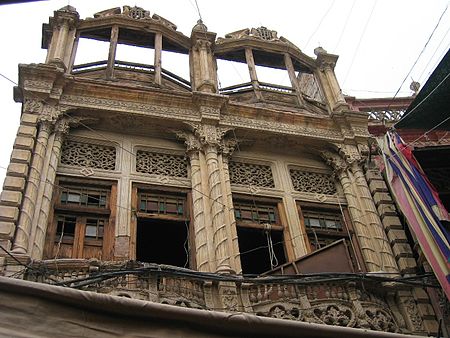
48	116
203	259
326	63
204	77
218	208
369	246
29	200
61	129
227	149
369	210
63	24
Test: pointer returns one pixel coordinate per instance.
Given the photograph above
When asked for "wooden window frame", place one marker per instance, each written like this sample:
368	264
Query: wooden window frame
347	232
187	216
82	214
282	218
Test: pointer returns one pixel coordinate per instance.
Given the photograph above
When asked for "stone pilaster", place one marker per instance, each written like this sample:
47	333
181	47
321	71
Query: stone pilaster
208	173
227	149
202	252
63	36
326	63
40	228
369	231
203	67
47	117
368	209
16	177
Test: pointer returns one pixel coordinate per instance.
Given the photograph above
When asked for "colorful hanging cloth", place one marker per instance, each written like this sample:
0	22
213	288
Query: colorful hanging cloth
421	205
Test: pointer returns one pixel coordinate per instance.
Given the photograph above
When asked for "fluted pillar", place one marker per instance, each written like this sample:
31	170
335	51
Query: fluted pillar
227	149
200	217
218	207
29	200
326	63
203	69
63	25
215	239
61	129
374	246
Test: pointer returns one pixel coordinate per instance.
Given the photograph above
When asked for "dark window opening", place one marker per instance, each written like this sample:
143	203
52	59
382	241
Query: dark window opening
254	249
162	242
65	228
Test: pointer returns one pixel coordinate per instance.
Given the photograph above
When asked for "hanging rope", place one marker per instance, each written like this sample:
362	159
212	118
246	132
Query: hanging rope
272	256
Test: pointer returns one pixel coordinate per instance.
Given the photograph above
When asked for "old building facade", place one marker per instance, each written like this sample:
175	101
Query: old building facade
129	180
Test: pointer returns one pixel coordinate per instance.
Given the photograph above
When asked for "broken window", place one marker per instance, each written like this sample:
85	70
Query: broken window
81	226
162	228
323	227
261	235
329	234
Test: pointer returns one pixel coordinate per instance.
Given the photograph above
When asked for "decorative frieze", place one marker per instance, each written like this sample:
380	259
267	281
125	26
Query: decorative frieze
89	155
312	182
251	174
161	164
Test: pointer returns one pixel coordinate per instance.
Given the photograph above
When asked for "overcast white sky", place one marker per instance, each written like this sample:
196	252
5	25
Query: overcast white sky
378	41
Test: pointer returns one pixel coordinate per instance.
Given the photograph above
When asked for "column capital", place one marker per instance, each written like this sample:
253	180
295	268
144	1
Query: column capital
190	140
209	135
228	146
334	160
353	154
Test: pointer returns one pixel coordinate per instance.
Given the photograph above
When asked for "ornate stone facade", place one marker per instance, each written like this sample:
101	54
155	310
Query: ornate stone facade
168	159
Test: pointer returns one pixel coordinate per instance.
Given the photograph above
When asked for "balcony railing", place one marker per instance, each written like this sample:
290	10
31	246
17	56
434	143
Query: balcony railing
347	300
130	66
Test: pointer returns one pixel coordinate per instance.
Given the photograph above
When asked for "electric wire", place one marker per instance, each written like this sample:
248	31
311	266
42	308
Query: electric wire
359	42
347	19
320	23
418	57
434	53
239	149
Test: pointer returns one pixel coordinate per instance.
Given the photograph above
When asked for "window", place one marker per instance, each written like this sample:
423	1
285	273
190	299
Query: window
330	237
261	235
82	225
323	227
161	228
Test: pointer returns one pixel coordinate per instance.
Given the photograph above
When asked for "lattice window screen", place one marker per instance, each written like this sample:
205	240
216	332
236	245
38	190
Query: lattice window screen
88	155
306	181
251	174
161	164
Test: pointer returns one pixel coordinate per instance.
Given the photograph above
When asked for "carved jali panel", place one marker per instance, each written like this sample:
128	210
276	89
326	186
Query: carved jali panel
251	174
161	164
88	155
312	182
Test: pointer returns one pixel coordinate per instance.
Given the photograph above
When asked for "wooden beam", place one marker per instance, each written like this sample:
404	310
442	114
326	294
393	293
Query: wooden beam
112	52
252	70
294	82
158	49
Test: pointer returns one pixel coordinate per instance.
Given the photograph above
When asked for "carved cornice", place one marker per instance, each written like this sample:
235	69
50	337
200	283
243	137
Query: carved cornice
281	128
177	113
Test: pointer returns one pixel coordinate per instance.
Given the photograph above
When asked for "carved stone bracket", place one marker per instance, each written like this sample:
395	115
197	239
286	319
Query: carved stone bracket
209	134
335	161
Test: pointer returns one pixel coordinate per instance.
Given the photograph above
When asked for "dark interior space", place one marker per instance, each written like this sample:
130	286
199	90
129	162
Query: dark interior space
435	162
162	242
254	250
